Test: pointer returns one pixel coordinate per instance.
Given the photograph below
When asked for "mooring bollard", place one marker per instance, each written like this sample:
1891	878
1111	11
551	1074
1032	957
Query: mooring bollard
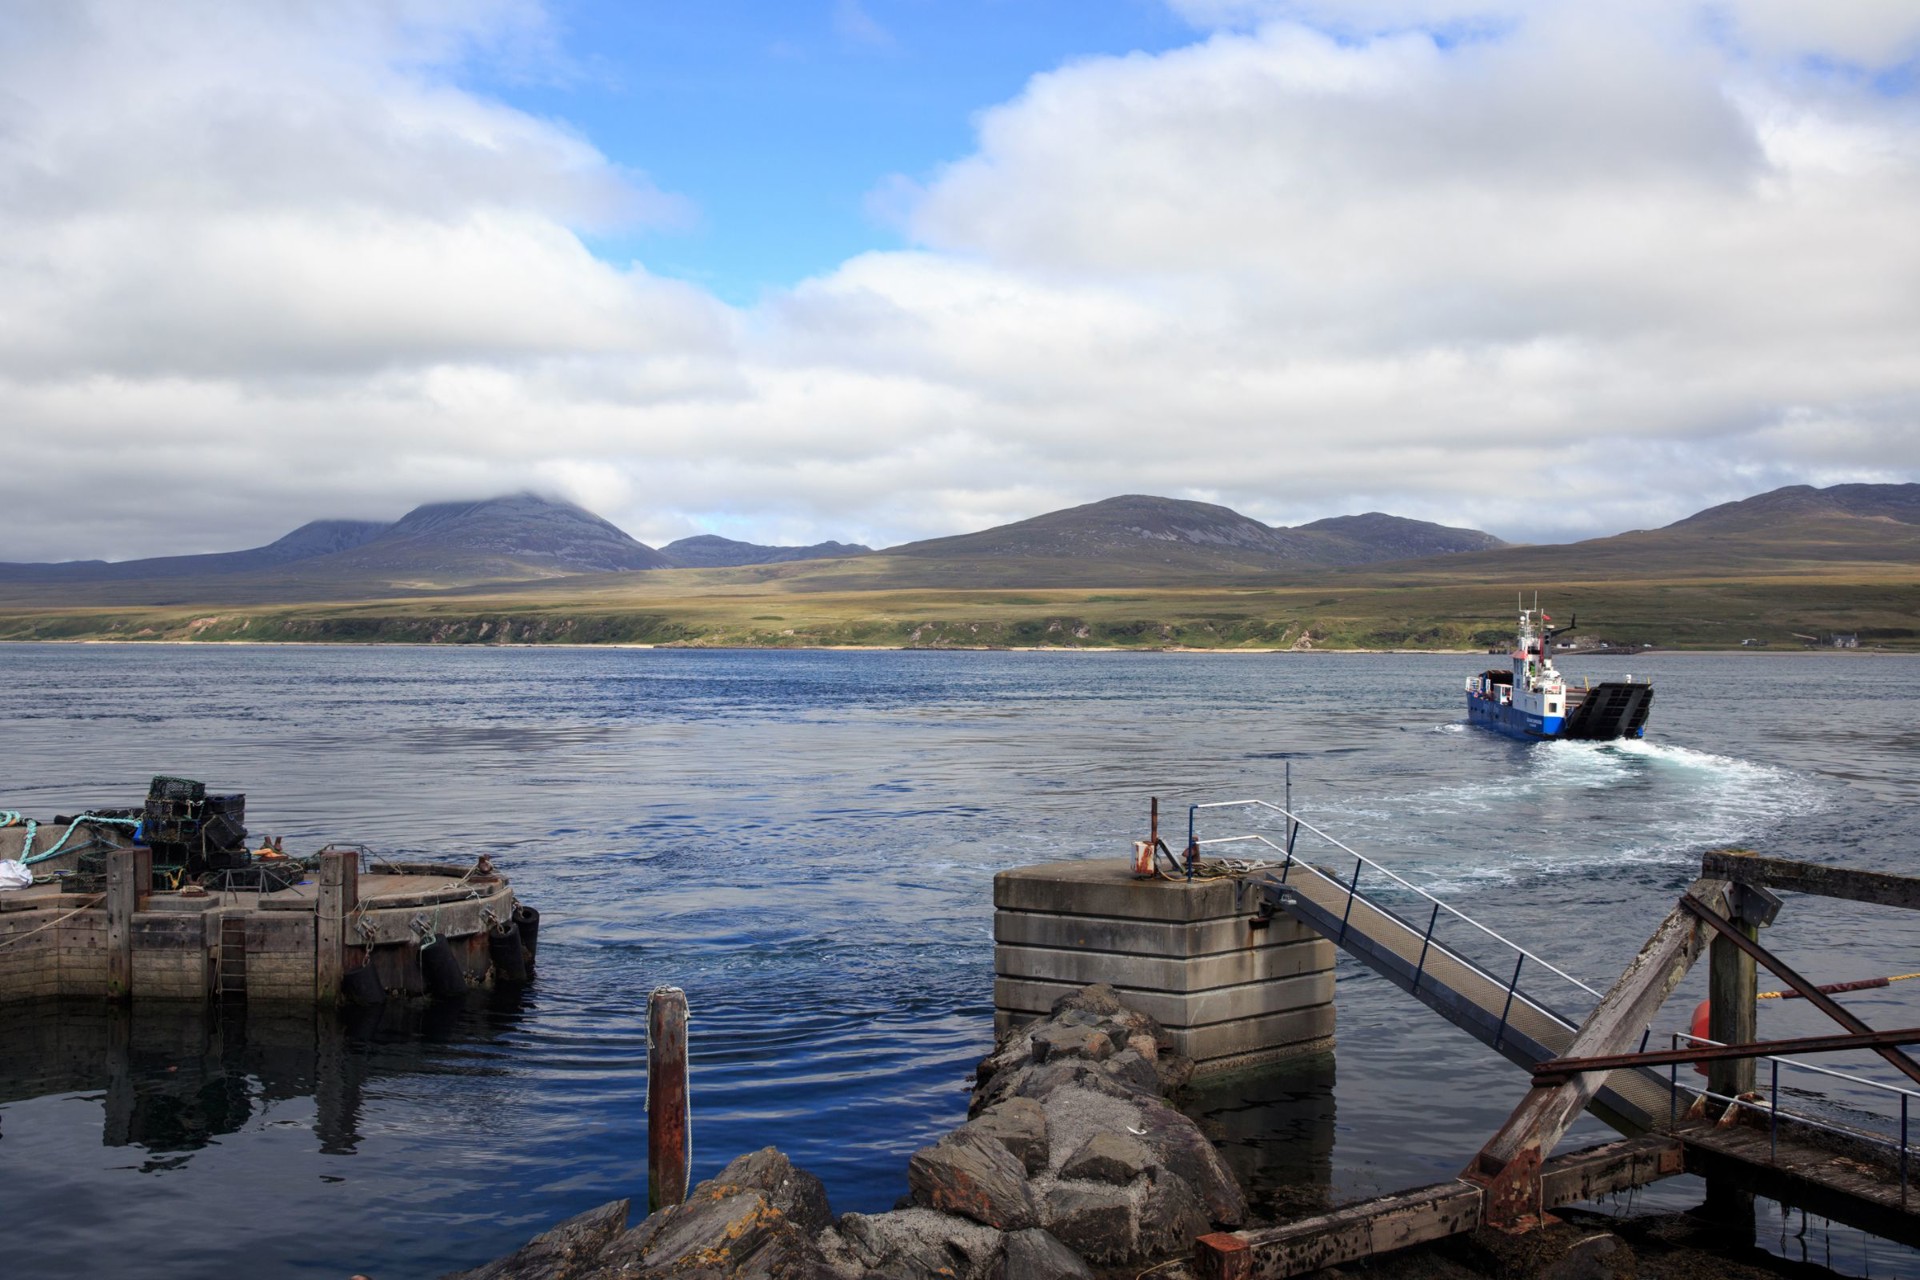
669	1146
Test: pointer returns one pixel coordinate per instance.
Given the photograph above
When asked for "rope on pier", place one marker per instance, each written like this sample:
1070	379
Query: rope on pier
1864	984
28	857
1218	868
97	900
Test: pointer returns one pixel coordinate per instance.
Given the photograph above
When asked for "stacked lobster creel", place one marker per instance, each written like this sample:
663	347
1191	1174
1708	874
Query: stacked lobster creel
187	828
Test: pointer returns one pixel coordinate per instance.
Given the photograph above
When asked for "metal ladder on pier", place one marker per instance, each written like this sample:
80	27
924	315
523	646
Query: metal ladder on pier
1491	1006
230	977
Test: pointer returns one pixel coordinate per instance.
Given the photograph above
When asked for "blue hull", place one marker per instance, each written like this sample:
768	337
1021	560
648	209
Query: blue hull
1502	718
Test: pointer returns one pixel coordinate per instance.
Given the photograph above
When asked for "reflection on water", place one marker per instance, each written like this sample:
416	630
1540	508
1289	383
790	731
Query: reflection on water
171	1079
1275	1129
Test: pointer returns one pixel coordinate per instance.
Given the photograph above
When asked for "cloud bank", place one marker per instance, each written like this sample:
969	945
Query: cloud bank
1550	270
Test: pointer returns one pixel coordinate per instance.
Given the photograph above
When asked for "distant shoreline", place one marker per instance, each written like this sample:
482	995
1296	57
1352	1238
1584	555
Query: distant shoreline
898	648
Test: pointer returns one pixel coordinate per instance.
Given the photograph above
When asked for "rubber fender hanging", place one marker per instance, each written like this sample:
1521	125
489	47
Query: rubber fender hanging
362	987
528	921
509	957
445	978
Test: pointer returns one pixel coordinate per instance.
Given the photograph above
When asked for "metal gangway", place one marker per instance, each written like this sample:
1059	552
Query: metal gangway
1523	1023
1845	1165
1530	1012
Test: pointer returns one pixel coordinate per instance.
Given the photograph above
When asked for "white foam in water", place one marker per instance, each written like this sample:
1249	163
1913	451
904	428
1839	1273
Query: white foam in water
1576	805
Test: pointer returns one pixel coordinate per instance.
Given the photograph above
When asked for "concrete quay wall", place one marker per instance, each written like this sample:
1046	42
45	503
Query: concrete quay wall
1234	990
290	947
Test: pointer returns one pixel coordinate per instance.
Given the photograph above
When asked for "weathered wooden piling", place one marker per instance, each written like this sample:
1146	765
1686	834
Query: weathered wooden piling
129	878
338	885
667	1108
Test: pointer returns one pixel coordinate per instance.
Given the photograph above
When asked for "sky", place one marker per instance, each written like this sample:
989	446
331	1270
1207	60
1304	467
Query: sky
877	270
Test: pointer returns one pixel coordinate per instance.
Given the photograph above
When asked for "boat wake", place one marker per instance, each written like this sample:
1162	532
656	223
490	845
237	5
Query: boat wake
1579	807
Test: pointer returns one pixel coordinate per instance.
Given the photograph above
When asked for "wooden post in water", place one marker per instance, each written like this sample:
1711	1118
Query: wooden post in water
667	1112
129	879
338	894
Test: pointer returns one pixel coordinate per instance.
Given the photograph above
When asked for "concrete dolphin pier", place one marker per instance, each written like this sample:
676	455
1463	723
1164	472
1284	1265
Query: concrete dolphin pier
298	935
1236	985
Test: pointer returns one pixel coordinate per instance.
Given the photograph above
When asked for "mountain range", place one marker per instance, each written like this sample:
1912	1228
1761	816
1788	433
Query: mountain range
526	539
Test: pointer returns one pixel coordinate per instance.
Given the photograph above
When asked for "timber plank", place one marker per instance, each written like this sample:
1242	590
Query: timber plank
1877	887
1819	1181
1429	1213
1345	1235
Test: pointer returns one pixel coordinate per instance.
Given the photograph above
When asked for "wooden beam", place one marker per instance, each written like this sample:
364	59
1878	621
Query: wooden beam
1612	1166
1429	1213
129	880
1733	1017
1877	887
337	894
1509	1164
1345	1235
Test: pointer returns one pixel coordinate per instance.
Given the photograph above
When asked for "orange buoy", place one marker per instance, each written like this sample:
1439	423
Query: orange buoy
1702	1019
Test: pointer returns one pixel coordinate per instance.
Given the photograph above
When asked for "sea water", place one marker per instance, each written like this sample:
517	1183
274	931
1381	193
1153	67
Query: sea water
805	842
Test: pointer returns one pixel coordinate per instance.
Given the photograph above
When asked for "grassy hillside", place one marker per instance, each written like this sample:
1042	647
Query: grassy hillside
1132	572
737	607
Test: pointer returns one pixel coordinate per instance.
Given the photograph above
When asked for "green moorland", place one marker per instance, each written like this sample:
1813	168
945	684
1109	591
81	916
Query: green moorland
794	607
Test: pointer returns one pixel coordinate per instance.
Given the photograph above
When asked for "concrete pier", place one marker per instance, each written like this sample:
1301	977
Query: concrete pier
132	941
1235	990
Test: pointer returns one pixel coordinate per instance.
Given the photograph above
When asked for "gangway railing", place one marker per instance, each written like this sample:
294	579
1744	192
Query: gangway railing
1482	997
1338	895
1899	1149
1350	891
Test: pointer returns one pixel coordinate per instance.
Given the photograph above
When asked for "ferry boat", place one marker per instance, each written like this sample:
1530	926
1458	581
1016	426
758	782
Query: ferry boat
1533	701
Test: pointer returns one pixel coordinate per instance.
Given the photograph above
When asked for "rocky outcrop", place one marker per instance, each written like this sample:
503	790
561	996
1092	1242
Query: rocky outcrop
1071	1160
975	1176
562	1252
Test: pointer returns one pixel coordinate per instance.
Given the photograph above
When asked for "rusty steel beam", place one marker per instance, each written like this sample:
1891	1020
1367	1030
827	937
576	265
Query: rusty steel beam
1807	990
1556	1069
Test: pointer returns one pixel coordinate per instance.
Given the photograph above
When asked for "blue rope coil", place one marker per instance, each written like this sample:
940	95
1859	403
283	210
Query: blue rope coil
28	857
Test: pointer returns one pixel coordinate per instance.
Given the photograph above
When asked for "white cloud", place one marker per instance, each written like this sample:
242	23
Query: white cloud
1561	269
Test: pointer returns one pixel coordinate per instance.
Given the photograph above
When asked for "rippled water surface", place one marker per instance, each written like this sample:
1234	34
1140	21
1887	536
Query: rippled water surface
805	842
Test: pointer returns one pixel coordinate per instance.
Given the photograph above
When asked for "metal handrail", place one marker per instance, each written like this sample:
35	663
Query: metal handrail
1806	1066
1903	1145
1336	843
1512	988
